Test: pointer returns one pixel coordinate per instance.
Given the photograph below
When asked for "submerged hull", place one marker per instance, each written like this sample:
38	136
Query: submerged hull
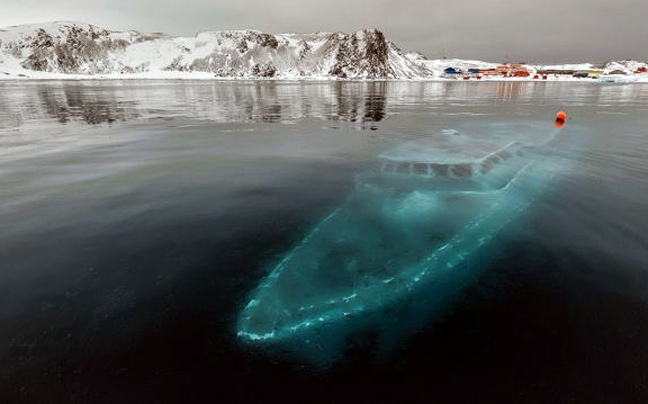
400	240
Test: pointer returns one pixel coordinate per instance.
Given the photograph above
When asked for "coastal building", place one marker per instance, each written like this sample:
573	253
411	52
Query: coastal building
557	72
488	72
472	74
451	72
513	70
503	70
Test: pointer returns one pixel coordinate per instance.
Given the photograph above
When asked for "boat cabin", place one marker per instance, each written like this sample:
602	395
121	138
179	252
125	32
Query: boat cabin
451	155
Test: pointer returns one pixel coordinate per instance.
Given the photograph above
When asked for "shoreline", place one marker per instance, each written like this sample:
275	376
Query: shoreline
205	77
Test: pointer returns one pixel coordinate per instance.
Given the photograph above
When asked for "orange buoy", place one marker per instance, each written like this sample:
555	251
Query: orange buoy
560	119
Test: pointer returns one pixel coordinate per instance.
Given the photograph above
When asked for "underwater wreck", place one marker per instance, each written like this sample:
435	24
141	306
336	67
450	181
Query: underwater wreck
406	241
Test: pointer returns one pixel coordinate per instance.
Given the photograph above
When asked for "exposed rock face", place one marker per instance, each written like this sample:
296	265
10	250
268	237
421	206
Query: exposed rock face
361	54
77	48
72	49
264	70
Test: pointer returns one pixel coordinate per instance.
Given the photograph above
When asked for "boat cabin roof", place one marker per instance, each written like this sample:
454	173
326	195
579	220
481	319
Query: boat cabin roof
474	145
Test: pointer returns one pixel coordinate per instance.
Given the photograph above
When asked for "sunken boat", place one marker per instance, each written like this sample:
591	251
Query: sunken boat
406	233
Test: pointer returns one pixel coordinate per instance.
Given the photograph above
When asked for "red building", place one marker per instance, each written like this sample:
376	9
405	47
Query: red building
521	73
513	70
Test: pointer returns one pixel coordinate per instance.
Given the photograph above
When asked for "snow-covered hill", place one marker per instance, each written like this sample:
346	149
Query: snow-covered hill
73	48
439	65
78	50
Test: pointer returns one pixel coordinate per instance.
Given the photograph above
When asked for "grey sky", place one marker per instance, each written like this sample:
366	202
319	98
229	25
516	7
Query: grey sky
531	31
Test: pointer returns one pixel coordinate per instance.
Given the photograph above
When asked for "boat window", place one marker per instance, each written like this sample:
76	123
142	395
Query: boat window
504	154
440	170
486	166
493	160
388	167
402	168
419	168
462	170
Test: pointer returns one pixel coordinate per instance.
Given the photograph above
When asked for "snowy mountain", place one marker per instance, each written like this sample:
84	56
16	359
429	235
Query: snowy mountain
79	50
73	48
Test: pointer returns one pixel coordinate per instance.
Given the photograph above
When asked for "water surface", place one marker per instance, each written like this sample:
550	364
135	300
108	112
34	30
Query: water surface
137	217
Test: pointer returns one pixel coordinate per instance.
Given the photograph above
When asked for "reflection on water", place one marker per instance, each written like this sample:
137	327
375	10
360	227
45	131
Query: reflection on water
69	103
509	91
361	104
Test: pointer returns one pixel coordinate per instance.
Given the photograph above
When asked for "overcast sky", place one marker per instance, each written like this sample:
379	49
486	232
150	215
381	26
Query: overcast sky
531	31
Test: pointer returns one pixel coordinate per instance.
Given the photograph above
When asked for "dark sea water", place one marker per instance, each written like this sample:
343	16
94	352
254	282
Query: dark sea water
138	216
